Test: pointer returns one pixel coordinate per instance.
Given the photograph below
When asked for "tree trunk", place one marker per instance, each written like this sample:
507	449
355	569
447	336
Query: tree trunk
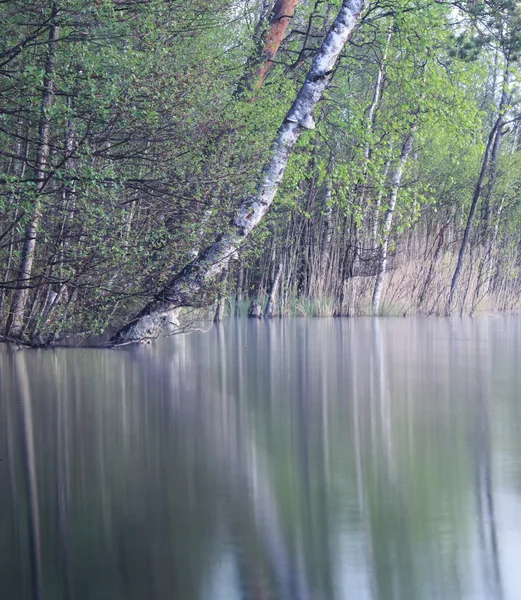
240	291
486	267
255	311
268	40
371	115
434	261
219	311
15	320
68	207
361	187
188	287
374	235
395	187
472	214
487	160
273	293
18	172
325	252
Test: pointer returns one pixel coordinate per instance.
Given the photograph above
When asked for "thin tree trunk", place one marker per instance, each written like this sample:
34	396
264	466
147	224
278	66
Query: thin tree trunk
68	206
362	185
434	261
18	171
15	320
240	291
486	165
491	230
395	187
188	287
219	311
374	234
273	293
470	220
371	115
325	254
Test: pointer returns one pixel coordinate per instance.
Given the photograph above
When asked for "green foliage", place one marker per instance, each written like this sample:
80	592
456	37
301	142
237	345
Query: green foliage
151	149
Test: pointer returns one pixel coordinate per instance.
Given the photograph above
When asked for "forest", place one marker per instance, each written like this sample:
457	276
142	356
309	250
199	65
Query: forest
163	160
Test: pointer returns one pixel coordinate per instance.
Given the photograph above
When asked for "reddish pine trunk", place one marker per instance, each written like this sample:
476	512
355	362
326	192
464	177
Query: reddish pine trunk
281	16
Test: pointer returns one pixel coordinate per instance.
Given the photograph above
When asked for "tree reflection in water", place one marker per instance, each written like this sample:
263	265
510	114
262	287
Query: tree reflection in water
296	460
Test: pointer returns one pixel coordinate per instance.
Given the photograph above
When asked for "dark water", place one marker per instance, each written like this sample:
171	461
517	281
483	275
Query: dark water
302	460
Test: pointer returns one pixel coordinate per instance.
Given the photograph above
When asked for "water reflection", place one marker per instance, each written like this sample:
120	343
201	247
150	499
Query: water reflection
299	460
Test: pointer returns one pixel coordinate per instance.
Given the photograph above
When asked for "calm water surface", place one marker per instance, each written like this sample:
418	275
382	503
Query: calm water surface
294	460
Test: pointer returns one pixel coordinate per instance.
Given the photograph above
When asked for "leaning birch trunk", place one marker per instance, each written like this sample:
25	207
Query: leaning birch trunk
15	321
188	287
395	187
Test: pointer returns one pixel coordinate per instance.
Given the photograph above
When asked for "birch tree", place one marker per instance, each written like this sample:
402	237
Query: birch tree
488	166
19	300
187	287
496	23
396	181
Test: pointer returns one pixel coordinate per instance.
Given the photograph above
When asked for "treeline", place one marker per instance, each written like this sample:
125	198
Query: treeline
133	134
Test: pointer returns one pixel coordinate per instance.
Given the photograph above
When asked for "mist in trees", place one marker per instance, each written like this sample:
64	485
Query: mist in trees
144	142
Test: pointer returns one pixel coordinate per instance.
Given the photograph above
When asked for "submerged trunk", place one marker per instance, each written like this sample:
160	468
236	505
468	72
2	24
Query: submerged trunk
15	321
188	287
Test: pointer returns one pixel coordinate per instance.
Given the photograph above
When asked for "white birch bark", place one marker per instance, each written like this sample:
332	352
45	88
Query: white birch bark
371	115
187	288
274	290
378	202
395	187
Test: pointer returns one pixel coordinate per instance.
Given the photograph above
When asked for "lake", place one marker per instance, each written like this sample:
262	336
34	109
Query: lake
302	459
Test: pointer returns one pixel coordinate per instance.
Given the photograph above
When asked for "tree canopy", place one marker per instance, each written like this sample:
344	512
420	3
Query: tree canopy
132	132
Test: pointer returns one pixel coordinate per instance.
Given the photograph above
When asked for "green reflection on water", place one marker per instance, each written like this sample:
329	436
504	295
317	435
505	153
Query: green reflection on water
297	459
